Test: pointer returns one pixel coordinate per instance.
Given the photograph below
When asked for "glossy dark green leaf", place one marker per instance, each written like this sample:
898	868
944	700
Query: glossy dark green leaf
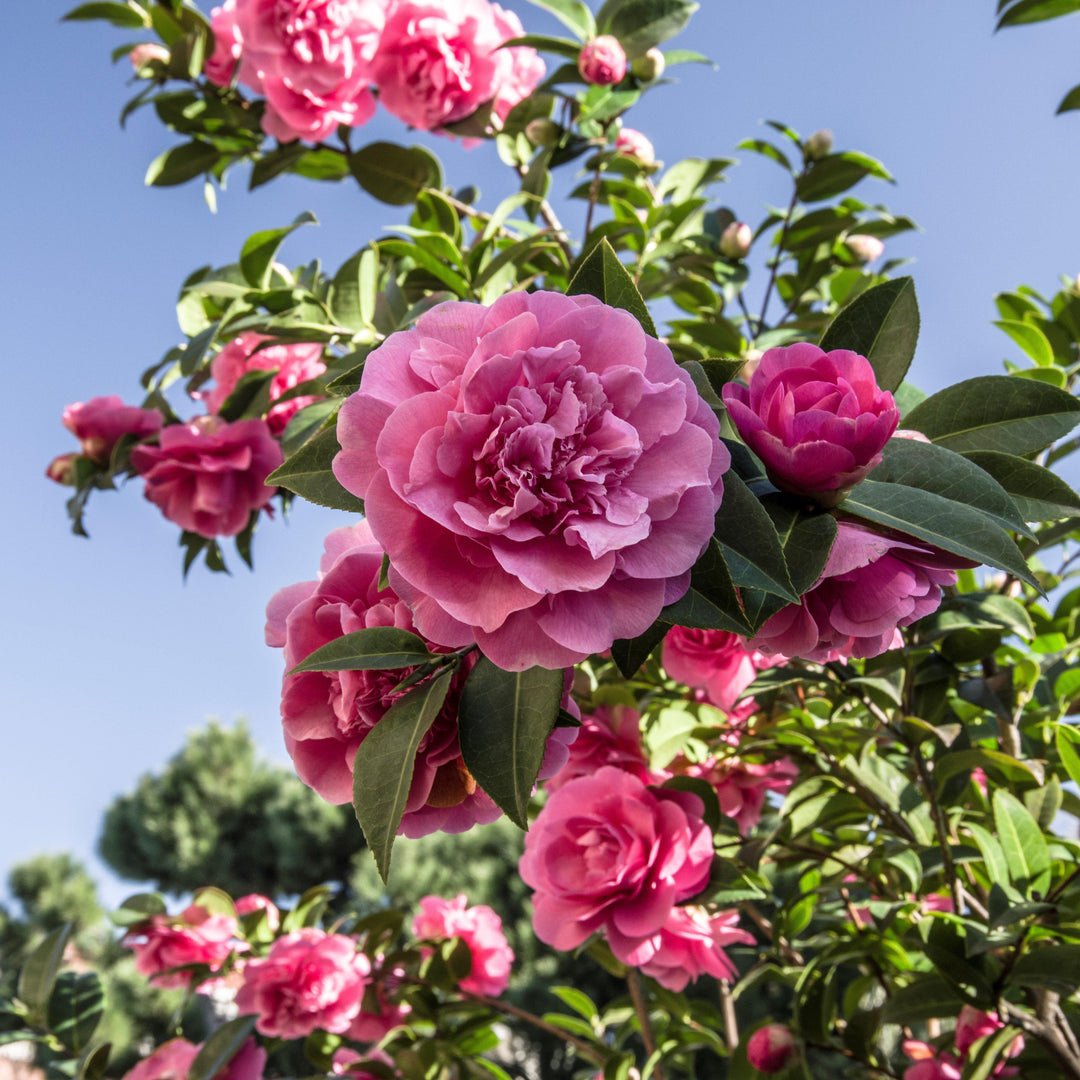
384	764
1021	841
933	468
38	974
835	173
977	610
308	473
249	397
544	43
378	648
322	164
987	1055
1038	494
76	1005
1070	102
721	370
881	324
260	249
572	14
392	173
182	163
220	1048
353	292
642	24
93	1064
504	720
1030	11
996	412
118	14
945	524
305	423
1052	967
602	275
629	655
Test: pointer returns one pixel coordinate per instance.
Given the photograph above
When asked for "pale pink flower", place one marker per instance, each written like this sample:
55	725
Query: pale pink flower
631	143
741	786
100	423
540	472
309	980
716	661
162	944
771	1048
245	905
609	736
293	364
692	944
736	239
602	61
817	420
371	1026
608	853
480	928
208	476
146	51
864	248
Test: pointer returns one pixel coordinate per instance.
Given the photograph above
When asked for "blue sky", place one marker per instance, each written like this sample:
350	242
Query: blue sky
109	657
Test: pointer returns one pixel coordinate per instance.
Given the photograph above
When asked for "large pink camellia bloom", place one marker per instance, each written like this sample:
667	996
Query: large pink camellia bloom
480	928
439	61
871	585
312	61
691	944
540	472
207	475
327	714
609	736
293	363
100	423
172	1060
162	944
716	661
608	853
308	980
817	420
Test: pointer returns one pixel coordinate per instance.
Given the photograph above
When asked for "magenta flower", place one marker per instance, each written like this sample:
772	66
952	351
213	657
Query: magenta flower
631	143
609	736
691	944
817	420
480	928
207	475
162	944
602	61
327	714
716	661
770	1048
607	853
100	423
540	472
308	980
871	585
741	786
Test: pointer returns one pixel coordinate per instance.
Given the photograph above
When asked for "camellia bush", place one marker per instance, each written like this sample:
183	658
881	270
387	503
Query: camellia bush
773	656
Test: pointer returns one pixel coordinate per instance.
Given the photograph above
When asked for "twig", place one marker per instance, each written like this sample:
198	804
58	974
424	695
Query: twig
727	1008
641	1007
551	219
775	264
792	956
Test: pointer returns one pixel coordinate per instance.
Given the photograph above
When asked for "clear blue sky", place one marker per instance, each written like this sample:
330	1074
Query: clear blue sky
108	657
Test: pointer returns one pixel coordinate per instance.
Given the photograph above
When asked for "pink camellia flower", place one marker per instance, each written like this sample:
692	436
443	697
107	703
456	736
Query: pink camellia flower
327	714
208	476
481	929
631	143
312	61
771	1048
221	64
864	248
172	1060
716	661
871	585
602	61
308	980
100	423
382	1013
540	472
930	1064
350	1064
245	905
741	786
146	51
196	937
608	853
609	736
440	60
972	1025
692	944
294	364
61	469
817	420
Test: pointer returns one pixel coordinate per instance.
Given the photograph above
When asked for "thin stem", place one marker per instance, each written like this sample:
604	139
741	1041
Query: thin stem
791	955
775	264
551	220
594	196
727	1009
641	1007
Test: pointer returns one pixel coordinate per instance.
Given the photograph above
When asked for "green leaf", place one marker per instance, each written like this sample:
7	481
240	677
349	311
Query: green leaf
504	719
929	467
948	525
602	275
139	908
306	423
76	1005
545	43
1070	102
126	15
1053	967
881	324
1037	493
1030	338
996	412
1069	752
629	655
1030	11
378	648
393	173
221	1048
579	1002
1021	841
384	763
352	295
93	1064
182	163
572	14
959	761
39	972
308	473
997	869
259	250
642	24
249	397
835	173
985	1054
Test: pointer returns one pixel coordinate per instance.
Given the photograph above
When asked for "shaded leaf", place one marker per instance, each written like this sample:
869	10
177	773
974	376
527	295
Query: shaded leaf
378	648
220	1048
38	974
182	163
257	254
392	173
308	473
602	275
1037	493
76	1005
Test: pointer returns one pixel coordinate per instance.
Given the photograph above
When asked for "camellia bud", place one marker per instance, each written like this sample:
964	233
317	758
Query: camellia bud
143	54
649	67
770	1048
864	248
602	61
818	145
542	131
735	240
631	143
62	469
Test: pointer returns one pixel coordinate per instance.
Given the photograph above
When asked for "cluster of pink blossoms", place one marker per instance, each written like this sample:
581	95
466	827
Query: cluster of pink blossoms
939	1064
317	62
